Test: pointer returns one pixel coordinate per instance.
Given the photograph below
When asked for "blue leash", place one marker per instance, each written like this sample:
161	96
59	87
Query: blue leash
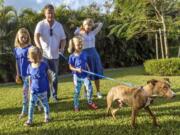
108	78
101	76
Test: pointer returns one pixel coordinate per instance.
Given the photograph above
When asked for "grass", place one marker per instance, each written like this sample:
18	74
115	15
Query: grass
87	122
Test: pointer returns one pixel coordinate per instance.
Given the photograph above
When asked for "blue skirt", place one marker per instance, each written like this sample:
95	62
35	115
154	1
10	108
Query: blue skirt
94	62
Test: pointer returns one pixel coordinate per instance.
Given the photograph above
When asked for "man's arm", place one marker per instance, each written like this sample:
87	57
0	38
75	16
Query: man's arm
37	40
62	45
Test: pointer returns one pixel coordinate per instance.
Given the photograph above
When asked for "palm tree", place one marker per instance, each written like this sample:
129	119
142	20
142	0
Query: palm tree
8	21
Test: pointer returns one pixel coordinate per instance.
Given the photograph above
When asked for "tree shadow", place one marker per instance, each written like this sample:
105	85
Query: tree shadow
67	105
167	127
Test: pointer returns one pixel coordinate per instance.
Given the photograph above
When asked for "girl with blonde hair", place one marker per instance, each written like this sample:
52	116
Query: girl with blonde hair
88	31
78	63
38	73
22	44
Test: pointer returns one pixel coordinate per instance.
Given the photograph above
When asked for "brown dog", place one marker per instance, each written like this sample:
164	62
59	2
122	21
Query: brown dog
138	98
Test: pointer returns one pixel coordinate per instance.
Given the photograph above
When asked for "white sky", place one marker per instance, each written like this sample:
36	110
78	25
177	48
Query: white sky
37	5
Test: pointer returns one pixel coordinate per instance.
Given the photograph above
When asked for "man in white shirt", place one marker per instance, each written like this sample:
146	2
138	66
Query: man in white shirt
49	36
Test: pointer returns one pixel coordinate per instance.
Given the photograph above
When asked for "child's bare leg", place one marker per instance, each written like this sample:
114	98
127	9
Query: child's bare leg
97	84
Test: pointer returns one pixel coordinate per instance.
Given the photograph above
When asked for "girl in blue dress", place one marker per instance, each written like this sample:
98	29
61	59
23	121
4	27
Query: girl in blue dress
22	44
88	31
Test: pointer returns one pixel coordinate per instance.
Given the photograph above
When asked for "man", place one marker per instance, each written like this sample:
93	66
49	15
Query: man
49	36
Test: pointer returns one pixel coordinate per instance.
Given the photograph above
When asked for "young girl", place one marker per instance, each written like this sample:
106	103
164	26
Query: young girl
94	62
22	44
78	63
39	83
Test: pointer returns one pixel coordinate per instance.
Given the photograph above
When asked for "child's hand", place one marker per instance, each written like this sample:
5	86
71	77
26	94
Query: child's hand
82	31
18	79
79	70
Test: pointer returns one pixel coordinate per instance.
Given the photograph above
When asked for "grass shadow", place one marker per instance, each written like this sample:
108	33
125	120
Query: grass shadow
167	127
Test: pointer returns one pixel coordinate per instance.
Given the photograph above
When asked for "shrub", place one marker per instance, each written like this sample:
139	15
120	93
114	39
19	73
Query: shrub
163	67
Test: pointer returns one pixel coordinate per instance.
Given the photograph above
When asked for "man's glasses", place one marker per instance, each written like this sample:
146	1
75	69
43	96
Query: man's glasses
51	32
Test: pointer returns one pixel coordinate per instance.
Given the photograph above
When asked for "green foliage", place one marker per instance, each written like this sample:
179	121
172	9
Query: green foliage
124	40
163	66
7	70
129	18
88	122
8	21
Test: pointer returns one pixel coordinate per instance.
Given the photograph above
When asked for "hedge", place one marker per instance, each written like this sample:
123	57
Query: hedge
163	67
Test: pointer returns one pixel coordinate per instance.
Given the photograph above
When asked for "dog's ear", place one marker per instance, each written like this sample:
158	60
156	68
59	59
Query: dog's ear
167	80
153	82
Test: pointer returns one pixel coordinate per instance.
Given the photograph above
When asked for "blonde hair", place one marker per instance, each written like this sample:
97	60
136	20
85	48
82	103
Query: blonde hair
22	31
88	21
34	54
71	43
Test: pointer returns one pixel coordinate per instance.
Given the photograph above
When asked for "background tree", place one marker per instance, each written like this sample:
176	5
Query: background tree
8	22
126	39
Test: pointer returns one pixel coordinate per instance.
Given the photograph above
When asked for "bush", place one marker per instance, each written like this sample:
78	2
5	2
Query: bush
163	67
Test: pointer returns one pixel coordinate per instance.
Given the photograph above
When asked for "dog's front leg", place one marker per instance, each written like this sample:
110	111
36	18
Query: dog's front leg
133	117
152	115
113	112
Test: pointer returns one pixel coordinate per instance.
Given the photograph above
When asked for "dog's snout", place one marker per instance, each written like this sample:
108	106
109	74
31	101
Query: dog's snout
174	95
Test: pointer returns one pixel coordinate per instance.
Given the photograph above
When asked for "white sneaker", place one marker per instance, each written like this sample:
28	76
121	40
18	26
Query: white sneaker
99	95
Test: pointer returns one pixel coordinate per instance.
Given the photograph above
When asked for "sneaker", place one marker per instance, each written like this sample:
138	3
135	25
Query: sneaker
76	109
28	123
47	120
22	115
99	95
92	106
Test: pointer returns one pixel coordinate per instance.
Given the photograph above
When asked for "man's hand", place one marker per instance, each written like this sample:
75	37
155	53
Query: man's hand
61	50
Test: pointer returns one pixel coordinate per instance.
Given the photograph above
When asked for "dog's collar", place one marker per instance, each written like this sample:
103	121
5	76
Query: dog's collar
149	101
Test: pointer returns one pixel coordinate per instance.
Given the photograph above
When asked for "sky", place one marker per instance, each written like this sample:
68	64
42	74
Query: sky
37	5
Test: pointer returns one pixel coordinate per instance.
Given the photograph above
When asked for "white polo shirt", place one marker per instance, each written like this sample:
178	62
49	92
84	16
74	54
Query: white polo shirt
50	44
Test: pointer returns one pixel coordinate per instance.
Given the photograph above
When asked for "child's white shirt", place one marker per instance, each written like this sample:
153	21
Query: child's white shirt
89	39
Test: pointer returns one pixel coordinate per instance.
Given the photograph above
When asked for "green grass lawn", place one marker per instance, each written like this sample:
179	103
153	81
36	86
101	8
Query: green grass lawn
66	122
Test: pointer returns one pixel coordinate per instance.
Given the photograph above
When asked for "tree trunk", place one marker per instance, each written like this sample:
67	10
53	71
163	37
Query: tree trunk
157	51
165	38
179	52
161	43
